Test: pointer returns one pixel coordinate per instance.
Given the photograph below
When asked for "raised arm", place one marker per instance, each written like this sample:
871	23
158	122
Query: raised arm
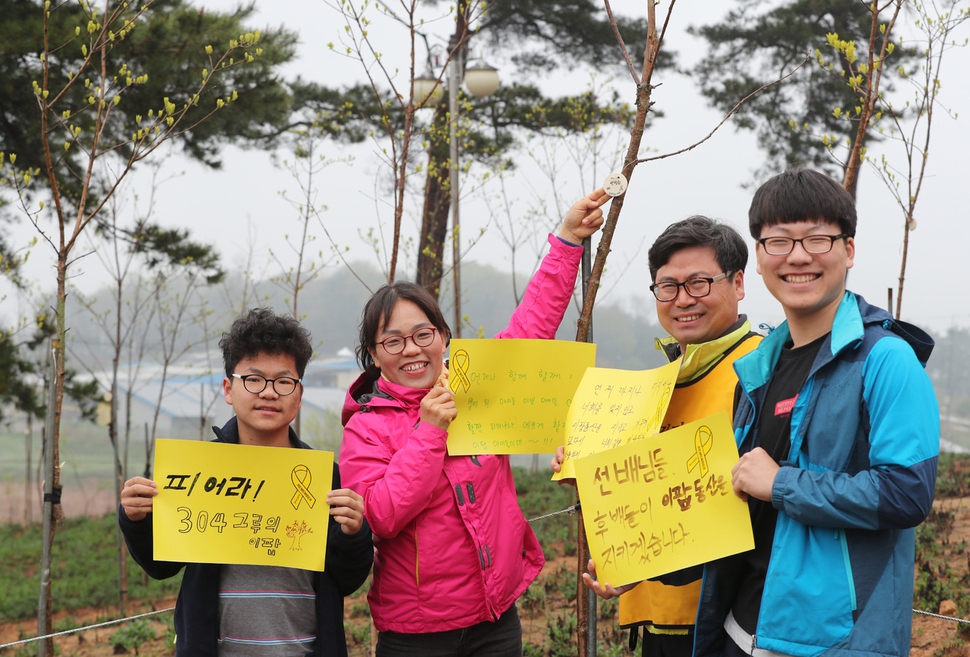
551	288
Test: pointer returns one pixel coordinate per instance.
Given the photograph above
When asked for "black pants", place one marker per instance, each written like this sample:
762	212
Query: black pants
503	638
667	645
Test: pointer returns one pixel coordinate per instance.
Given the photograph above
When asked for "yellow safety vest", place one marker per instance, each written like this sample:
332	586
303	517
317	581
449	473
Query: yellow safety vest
654	604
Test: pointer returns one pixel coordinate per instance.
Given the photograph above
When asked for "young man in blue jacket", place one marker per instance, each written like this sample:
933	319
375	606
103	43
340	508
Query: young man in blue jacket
229	609
838	429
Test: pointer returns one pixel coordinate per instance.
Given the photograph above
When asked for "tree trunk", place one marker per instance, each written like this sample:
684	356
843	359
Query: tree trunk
437	188
437	205
51	507
28	486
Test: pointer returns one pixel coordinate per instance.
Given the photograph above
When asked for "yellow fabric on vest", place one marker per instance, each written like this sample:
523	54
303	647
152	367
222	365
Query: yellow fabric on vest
705	386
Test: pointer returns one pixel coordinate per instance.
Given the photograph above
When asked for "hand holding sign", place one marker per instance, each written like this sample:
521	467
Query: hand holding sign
242	504
615	407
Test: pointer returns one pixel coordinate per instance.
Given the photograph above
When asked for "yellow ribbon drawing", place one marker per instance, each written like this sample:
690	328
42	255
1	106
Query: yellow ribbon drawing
703	442
461	362
657	420
300	478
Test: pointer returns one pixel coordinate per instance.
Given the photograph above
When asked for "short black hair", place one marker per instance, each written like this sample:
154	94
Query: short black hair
262	331
379	308
730	251
801	195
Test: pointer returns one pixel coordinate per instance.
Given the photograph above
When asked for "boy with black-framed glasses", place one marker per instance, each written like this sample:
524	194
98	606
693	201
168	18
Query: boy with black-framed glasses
230	609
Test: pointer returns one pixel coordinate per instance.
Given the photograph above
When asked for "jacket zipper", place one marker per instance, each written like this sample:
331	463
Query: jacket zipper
840	536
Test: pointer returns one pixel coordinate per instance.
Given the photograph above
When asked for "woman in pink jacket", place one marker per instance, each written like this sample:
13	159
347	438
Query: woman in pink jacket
453	551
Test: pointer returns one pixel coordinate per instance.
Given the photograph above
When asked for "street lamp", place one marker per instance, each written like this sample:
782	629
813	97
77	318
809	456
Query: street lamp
482	81
427	90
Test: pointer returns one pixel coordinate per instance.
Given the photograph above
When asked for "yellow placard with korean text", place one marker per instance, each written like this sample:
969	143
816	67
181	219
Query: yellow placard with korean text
663	504
241	504
512	395
615	407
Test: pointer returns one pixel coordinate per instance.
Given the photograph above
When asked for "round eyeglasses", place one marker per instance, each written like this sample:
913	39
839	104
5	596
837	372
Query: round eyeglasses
697	287
814	244
255	384
421	338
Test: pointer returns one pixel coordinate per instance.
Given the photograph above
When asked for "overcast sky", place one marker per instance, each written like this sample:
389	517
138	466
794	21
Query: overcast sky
241	205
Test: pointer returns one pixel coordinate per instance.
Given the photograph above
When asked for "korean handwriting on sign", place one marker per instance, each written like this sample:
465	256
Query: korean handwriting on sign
634	469
225	486
628	515
643	548
255	523
684	493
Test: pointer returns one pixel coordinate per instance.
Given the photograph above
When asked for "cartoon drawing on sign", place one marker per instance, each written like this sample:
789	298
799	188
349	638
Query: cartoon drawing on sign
703	442
296	531
300	477
462	361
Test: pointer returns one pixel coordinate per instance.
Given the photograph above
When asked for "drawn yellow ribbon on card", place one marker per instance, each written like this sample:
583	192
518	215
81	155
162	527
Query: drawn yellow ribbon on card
300	478
460	369
703	442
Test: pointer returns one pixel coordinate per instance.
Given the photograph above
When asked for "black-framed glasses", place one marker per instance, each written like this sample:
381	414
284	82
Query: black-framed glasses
697	287
421	338
814	244
254	383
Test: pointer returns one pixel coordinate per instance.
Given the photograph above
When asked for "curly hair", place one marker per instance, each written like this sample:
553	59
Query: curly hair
262	331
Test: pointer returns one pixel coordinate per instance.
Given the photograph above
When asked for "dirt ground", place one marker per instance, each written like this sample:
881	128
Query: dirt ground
932	637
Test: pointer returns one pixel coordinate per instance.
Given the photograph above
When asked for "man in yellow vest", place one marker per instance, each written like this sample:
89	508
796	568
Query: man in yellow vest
697	267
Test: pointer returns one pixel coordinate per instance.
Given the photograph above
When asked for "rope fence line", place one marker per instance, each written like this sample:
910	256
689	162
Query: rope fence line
949	618
571	510
85	628
162	611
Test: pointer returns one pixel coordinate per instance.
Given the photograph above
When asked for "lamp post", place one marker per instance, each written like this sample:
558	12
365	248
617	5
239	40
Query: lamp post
482	81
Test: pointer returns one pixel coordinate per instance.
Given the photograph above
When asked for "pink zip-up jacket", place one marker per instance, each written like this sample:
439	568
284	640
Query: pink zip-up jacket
452	546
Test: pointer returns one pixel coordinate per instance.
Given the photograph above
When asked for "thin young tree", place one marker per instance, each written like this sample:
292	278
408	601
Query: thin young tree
89	146
127	253
537	37
179	308
910	128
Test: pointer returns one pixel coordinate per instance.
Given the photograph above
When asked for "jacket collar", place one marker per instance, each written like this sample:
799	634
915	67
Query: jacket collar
700	358
229	433
848	328
406	396
370	389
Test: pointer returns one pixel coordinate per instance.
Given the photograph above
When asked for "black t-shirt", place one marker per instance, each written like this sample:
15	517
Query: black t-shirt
774	436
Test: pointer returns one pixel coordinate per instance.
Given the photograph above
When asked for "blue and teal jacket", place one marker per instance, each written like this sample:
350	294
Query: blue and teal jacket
861	473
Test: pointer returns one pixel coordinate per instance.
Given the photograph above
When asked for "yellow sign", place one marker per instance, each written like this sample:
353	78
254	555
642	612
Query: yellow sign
240	504
663	504
615	407
512	395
